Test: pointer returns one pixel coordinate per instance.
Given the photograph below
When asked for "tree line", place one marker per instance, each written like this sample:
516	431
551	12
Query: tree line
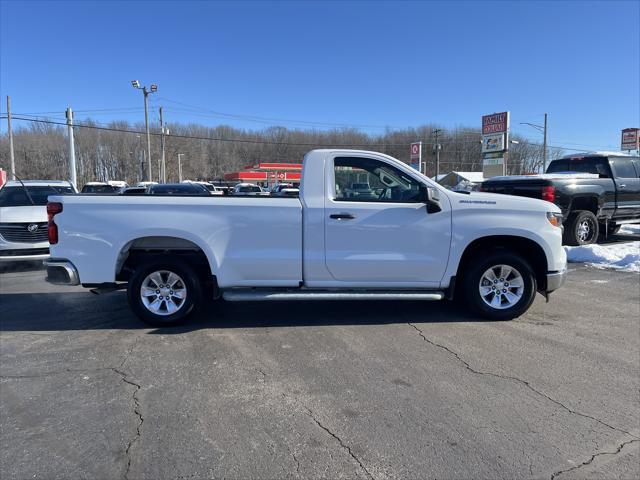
41	149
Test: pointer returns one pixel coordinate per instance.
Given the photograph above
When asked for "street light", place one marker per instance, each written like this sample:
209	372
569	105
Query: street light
154	88
543	129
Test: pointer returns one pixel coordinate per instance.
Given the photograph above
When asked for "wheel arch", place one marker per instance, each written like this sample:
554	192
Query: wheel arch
527	248
151	247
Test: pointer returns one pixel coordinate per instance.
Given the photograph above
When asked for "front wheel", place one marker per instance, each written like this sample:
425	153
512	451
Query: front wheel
500	286
164	293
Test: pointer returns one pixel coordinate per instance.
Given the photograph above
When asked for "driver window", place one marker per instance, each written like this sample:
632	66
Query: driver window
366	180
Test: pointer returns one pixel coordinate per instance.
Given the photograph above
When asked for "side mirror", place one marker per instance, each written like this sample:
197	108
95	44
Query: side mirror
431	196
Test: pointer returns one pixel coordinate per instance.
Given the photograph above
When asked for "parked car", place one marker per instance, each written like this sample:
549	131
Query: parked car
285	190
422	242
248	189
185	189
213	190
146	184
100	188
596	192
23	218
133	191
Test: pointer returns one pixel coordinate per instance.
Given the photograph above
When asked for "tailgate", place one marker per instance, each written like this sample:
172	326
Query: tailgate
531	188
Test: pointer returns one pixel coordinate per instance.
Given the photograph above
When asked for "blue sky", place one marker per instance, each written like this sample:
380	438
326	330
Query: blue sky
374	64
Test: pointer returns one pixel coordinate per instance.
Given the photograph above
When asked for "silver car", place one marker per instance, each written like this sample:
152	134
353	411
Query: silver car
23	218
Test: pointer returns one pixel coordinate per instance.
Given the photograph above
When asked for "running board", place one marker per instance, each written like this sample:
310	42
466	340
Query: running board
241	295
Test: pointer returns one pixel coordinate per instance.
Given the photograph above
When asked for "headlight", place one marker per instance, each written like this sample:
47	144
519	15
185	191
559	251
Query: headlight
555	219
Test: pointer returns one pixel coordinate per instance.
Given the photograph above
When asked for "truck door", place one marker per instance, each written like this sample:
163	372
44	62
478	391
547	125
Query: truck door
627	187
377	230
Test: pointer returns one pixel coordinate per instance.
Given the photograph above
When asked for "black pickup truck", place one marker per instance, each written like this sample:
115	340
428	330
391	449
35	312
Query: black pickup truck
597	192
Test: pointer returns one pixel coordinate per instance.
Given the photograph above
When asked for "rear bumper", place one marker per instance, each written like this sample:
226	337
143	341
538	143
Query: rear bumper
61	272
22	256
555	280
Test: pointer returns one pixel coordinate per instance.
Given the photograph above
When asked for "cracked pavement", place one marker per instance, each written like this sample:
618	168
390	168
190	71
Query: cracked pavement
312	390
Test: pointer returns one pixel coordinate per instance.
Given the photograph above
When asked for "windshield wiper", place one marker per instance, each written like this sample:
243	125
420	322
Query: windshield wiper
26	190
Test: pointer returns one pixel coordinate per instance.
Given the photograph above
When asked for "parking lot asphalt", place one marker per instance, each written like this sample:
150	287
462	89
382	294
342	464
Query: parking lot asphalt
320	390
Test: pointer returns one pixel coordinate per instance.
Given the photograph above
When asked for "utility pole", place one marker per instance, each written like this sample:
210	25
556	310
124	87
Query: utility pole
154	88
72	149
11	154
163	165
437	147
180	167
544	153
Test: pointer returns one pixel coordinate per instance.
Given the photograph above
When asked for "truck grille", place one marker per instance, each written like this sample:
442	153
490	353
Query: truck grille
33	232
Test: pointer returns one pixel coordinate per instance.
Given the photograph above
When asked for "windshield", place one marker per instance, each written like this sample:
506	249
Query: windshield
17	197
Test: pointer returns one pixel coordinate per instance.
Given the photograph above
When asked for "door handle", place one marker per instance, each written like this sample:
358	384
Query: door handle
622	185
342	216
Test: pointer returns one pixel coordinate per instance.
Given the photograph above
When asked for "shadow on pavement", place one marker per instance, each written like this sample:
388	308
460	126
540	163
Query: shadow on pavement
85	311
17	267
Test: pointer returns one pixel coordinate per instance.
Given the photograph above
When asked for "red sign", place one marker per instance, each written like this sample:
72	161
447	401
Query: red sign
495	123
630	139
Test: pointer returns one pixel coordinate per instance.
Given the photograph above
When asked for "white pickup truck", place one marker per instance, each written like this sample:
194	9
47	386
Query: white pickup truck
404	238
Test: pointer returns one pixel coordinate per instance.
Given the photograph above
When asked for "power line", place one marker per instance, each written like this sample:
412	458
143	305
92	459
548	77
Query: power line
270	142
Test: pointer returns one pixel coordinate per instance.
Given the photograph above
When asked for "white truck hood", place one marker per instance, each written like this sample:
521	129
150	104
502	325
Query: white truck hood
32	213
499	201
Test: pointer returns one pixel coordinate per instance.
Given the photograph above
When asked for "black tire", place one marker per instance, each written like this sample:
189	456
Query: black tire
581	228
473	276
185	306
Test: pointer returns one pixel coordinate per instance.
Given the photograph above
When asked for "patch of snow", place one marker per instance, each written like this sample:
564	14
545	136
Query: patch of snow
620	256
630	229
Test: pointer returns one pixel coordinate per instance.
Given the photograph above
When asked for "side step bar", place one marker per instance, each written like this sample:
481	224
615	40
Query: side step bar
247	295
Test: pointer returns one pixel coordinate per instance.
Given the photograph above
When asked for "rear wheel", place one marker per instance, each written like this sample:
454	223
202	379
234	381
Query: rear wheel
164	293
581	228
500	286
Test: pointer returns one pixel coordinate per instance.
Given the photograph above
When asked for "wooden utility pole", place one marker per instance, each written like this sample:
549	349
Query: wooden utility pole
72	149
163	166
437	147
11	153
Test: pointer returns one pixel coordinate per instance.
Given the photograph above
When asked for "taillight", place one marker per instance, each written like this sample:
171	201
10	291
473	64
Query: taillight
53	208
549	193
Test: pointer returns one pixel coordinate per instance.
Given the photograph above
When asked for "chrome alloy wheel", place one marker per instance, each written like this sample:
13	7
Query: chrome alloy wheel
163	292
501	287
585	230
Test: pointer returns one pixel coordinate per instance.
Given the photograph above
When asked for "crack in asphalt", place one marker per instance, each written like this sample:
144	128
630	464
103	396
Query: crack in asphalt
123	375
136	410
518	380
593	457
342	444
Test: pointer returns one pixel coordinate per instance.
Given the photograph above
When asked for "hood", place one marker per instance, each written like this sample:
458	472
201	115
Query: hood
500	201
31	213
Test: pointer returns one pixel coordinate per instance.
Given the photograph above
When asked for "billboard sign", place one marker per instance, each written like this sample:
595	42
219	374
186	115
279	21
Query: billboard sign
495	123
630	139
416	156
494	142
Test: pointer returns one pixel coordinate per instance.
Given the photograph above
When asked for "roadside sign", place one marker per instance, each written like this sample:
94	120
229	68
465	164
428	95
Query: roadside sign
495	123
493	142
630	139
416	156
